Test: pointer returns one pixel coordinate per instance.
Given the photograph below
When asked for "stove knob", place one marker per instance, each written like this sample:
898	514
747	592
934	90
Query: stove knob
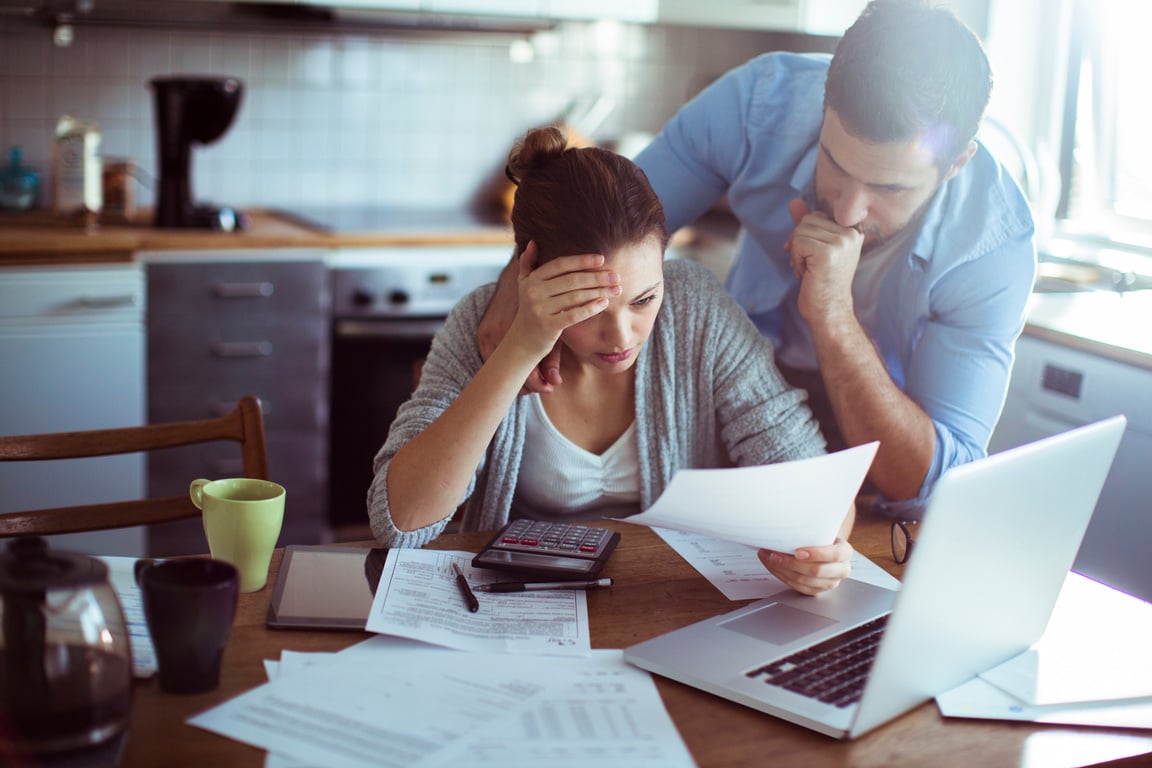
362	297
398	297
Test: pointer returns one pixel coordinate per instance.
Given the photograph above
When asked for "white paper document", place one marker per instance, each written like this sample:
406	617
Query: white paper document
395	708
419	598
1095	648
774	506
606	713
122	576
392	702
979	699
737	572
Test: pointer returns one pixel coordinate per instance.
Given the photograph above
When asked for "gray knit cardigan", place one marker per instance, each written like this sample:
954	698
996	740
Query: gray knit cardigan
707	395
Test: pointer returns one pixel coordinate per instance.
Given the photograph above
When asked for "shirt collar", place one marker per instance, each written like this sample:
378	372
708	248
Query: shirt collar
804	179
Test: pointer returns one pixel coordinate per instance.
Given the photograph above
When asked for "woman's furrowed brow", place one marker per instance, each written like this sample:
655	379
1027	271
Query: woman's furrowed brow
648	290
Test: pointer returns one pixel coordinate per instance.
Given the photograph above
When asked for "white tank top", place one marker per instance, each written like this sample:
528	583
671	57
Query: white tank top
559	478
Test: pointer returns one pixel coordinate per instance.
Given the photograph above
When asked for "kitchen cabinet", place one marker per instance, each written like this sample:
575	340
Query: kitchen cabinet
72	342
598	10
588	10
817	17
1057	386
223	324
631	10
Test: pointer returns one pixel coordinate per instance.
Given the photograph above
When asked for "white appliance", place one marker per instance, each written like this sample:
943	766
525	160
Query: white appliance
1055	387
72	342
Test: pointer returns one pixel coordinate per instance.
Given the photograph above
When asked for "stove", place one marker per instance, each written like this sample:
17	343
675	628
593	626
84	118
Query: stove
388	301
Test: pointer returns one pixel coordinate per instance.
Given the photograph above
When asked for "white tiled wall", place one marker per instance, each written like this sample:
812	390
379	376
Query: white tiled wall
351	119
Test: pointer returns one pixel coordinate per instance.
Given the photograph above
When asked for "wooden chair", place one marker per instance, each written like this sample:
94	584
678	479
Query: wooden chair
244	425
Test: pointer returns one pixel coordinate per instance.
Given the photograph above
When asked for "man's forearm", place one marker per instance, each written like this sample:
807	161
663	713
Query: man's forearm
501	309
869	406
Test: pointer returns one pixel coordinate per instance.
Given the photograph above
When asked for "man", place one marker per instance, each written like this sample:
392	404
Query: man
884	251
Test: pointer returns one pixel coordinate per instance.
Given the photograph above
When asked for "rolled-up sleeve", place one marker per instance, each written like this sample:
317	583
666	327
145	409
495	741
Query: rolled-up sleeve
959	370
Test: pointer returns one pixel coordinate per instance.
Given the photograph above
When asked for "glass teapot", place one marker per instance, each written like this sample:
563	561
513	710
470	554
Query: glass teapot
65	659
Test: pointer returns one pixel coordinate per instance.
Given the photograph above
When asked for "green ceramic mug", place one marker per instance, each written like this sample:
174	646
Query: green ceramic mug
242	519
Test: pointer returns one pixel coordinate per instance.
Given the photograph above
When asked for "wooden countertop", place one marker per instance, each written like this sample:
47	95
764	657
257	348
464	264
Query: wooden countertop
1112	325
40	238
1104	323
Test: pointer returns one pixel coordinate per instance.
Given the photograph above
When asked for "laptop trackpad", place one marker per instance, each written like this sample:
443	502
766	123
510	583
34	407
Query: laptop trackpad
778	623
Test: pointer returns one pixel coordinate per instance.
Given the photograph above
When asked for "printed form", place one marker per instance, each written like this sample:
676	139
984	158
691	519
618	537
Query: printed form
395	708
737	572
419	598
392	702
122	576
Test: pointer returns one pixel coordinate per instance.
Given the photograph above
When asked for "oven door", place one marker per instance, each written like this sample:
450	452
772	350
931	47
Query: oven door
375	367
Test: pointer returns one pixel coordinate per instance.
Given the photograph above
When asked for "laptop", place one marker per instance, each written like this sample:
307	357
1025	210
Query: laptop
998	538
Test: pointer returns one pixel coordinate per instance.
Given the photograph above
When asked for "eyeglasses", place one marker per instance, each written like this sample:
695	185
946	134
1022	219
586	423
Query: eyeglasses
901	542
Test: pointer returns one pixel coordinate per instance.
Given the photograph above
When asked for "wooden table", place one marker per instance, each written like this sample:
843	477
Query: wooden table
655	591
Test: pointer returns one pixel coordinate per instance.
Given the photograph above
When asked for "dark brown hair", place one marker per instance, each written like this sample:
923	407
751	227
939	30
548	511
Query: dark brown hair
909	70
573	200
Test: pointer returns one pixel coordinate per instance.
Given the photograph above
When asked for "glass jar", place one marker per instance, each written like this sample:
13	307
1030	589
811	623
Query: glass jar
65	658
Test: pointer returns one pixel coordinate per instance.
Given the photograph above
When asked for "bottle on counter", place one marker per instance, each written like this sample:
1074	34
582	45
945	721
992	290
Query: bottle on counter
19	184
77	172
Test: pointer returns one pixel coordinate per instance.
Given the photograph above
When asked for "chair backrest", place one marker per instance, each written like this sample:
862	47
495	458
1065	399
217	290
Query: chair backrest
244	425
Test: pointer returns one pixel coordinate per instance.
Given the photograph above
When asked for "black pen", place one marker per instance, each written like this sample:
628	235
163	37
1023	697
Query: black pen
466	589
521	586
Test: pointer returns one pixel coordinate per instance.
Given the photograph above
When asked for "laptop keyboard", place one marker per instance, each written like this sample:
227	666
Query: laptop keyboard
833	671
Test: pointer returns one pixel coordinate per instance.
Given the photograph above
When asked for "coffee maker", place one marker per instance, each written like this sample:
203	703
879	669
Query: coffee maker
190	109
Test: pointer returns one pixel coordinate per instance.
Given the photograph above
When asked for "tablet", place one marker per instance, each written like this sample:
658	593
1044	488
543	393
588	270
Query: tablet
325	587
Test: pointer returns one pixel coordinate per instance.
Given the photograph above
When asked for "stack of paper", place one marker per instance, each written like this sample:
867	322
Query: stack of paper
401	699
122	576
1091	667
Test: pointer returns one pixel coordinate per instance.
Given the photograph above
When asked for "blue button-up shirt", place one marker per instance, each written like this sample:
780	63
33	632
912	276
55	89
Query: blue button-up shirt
950	309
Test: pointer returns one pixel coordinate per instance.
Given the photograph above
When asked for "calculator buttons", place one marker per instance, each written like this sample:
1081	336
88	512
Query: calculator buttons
548	549
568	538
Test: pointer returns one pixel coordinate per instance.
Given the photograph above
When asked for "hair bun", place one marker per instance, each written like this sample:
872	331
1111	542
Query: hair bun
534	150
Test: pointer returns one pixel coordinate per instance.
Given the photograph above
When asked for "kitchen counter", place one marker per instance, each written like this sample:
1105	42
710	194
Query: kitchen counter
1106	323
42	238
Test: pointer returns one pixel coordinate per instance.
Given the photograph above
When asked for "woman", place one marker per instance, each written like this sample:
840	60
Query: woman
661	371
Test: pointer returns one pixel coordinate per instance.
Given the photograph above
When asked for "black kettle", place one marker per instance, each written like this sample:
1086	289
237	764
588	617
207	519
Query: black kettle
65	655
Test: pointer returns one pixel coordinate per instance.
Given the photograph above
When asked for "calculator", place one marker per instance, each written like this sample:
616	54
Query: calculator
551	550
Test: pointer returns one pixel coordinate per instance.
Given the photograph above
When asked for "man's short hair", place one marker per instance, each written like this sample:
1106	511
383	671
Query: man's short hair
908	70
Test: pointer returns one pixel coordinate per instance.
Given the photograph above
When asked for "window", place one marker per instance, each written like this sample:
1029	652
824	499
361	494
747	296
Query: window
1106	158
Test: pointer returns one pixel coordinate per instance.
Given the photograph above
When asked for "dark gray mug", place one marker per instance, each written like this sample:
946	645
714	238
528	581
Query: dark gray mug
189	605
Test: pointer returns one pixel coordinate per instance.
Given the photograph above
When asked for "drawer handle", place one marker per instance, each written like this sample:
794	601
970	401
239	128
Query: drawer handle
106	302
260	290
243	348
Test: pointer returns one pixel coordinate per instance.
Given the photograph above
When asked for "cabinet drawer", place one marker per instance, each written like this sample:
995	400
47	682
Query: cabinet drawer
74	294
259	355
237	290
285	406
296	460
261	336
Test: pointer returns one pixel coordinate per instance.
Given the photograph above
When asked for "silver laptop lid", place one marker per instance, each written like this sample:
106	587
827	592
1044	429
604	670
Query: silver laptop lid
1009	525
